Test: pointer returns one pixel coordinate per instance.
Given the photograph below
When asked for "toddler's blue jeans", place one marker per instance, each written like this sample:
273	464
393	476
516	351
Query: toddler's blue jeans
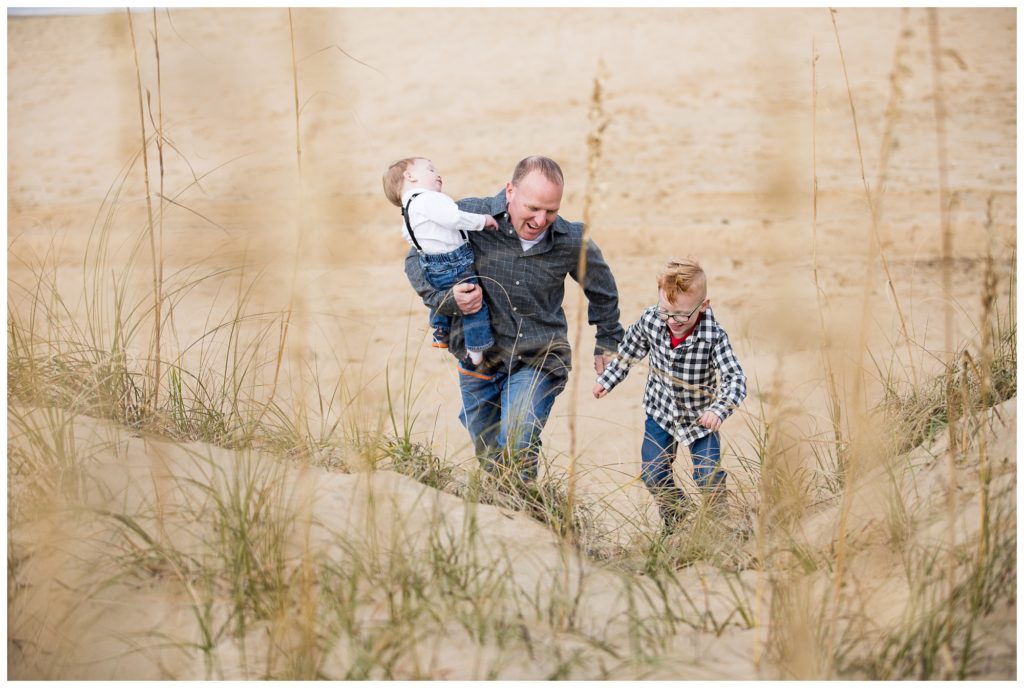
445	270
657	454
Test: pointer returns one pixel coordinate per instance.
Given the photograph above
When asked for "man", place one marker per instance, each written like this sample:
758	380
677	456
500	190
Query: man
522	268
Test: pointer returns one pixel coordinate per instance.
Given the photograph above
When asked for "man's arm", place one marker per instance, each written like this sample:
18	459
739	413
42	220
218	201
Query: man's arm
436	299
603	298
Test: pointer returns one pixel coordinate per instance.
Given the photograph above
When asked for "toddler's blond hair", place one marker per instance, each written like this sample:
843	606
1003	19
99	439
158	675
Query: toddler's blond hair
393	179
682	276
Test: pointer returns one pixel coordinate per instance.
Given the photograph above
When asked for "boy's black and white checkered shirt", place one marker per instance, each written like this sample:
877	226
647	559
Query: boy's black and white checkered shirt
681	384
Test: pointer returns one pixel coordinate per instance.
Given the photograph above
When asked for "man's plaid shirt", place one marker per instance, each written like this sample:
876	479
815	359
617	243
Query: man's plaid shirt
681	384
524	290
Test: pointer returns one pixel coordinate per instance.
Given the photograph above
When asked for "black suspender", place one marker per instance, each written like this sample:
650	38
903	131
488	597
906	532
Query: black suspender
408	225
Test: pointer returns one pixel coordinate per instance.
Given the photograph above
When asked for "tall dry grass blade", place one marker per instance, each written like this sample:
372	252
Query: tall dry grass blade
149	212
835	406
988	300
947	283
286	322
307	582
160	237
599	122
874	199
892	113
875	246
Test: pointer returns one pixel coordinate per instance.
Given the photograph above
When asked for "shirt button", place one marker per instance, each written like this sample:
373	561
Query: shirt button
517	282
520	334
514	308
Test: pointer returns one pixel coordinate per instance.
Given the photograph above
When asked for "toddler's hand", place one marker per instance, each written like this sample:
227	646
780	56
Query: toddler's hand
710	420
599	390
490	222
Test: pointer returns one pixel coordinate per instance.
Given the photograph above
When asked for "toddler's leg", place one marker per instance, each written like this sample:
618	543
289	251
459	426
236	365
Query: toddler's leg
441	326
657	454
476	327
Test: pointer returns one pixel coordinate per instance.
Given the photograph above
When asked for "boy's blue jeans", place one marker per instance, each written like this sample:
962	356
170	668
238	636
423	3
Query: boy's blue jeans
657	454
505	416
445	270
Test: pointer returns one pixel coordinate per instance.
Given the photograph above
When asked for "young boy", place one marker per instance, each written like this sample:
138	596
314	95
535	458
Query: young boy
682	400
436	228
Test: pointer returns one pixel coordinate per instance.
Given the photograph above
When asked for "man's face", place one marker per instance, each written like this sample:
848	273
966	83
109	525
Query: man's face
422	173
533	204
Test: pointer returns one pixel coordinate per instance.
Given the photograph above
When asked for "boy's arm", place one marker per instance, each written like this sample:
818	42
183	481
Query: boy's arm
439	300
633	348
443	210
732	385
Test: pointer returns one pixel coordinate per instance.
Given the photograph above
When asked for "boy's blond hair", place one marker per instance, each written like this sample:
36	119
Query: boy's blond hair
393	179
682	276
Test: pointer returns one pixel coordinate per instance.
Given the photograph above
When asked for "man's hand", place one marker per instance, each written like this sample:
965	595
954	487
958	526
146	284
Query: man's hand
599	390
468	297
601	362
490	222
710	420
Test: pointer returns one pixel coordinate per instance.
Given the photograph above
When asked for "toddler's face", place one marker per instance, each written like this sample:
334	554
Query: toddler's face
422	174
681	313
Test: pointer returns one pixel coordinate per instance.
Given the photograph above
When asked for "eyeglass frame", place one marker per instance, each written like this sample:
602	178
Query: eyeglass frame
665	316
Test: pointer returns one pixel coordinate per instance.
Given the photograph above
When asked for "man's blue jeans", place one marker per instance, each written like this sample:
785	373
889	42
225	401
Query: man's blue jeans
659	451
505	416
444	271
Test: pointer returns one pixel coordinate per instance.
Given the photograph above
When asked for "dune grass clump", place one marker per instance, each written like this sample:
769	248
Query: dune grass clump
418	461
968	384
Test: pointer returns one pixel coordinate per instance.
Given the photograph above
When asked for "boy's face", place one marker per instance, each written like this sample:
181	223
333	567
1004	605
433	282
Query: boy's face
681	313
421	174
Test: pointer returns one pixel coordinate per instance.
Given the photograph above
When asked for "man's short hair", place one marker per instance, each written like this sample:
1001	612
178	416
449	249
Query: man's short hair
538	163
682	276
393	179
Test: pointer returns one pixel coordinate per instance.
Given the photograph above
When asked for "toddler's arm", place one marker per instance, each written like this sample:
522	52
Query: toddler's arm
442	210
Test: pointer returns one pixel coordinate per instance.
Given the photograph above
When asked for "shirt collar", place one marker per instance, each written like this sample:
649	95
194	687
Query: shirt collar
410	192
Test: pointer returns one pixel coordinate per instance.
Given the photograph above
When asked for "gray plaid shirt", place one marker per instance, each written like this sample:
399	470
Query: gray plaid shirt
524	290
681	384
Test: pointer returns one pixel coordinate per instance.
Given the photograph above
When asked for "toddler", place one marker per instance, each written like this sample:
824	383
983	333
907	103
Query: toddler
436	228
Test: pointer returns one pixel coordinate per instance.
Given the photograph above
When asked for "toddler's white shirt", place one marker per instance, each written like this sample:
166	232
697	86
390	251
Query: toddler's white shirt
436	221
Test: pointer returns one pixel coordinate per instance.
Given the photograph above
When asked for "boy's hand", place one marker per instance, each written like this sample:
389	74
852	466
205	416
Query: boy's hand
710	420
599	390
490	222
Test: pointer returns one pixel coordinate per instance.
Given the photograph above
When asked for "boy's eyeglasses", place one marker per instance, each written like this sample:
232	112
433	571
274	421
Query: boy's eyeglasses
680	318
